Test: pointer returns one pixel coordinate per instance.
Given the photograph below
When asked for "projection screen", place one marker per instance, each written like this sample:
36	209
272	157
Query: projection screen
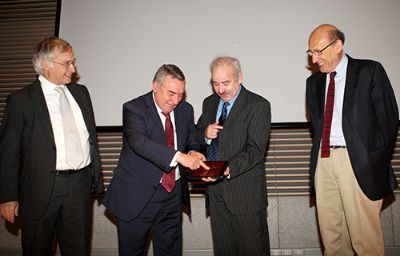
120	44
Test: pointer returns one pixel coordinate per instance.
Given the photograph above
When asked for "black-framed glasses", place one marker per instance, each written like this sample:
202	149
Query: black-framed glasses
319	52
66	64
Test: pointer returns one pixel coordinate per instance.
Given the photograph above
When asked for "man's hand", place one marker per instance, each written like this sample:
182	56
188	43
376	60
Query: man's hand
198	155
209	179
212	130
9	210
193	160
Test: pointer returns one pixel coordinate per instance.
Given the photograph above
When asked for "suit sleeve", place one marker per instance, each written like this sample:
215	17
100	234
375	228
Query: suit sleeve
97	176
309	100
257	139
10	144
385	106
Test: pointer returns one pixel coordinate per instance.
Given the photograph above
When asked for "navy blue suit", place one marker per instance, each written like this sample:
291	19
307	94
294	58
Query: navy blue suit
145	156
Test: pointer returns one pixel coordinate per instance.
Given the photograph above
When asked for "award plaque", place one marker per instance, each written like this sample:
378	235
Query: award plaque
216	170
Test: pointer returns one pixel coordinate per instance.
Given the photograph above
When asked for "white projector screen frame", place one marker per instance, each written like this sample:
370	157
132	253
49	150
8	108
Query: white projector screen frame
120	44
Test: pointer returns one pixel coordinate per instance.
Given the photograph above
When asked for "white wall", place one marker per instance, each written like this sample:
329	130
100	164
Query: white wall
120	44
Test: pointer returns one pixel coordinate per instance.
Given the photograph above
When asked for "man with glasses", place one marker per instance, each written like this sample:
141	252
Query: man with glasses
354	116
49	160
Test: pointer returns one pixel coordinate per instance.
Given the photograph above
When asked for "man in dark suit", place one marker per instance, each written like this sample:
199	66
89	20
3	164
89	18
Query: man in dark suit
41	179
158	141
239	121
352	144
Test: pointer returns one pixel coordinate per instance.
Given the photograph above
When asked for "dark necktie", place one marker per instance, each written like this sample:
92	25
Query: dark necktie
326	131
212	151
168	179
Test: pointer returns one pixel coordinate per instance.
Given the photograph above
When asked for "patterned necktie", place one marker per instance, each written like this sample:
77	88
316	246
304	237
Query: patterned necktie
168	179
72	141
326	131
212	151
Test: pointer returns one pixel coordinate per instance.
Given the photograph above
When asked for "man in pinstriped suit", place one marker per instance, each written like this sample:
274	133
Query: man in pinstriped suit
237	203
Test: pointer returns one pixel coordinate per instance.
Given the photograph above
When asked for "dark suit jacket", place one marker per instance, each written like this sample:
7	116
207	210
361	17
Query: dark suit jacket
242	142
370	123
28	150
145	156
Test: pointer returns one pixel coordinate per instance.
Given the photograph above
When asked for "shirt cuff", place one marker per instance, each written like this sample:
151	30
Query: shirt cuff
174	163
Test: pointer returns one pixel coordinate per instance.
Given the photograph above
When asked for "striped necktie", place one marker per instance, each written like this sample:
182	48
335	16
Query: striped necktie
212	151
326	131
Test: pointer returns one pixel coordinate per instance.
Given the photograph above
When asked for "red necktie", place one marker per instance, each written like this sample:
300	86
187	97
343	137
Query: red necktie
326	131
168	179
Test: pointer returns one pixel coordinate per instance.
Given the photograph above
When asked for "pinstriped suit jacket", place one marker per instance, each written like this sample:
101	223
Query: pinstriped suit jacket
242	142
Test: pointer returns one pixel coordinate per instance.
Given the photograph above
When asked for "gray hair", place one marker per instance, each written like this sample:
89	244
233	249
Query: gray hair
168	70
46	50
227	60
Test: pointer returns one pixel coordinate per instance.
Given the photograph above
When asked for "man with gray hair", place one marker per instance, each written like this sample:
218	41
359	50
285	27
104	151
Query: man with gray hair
235	126
49	159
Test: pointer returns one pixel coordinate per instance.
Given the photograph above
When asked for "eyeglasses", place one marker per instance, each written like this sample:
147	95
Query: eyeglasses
319	52
66	64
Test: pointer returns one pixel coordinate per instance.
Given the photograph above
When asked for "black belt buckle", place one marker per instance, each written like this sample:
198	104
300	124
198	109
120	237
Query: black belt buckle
337	146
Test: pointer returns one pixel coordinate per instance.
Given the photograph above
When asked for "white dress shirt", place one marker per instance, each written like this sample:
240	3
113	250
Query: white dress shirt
52	98
337	137
163	119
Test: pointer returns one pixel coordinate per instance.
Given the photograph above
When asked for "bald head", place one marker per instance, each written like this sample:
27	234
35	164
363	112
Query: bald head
327	31
326	47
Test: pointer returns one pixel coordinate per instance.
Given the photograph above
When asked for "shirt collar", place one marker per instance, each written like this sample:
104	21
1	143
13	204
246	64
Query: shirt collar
159	110
232	101
341	67
47	86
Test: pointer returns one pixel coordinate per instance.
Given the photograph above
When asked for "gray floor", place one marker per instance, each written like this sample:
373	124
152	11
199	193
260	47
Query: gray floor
291	220
392	251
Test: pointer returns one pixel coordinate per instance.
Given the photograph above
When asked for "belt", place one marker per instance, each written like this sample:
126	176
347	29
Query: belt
69	171
336	147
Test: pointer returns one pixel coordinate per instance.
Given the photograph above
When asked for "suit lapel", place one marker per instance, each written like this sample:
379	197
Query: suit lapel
351	84
213	107
83	105
237	107
41	110
153	114
320	88
179	127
